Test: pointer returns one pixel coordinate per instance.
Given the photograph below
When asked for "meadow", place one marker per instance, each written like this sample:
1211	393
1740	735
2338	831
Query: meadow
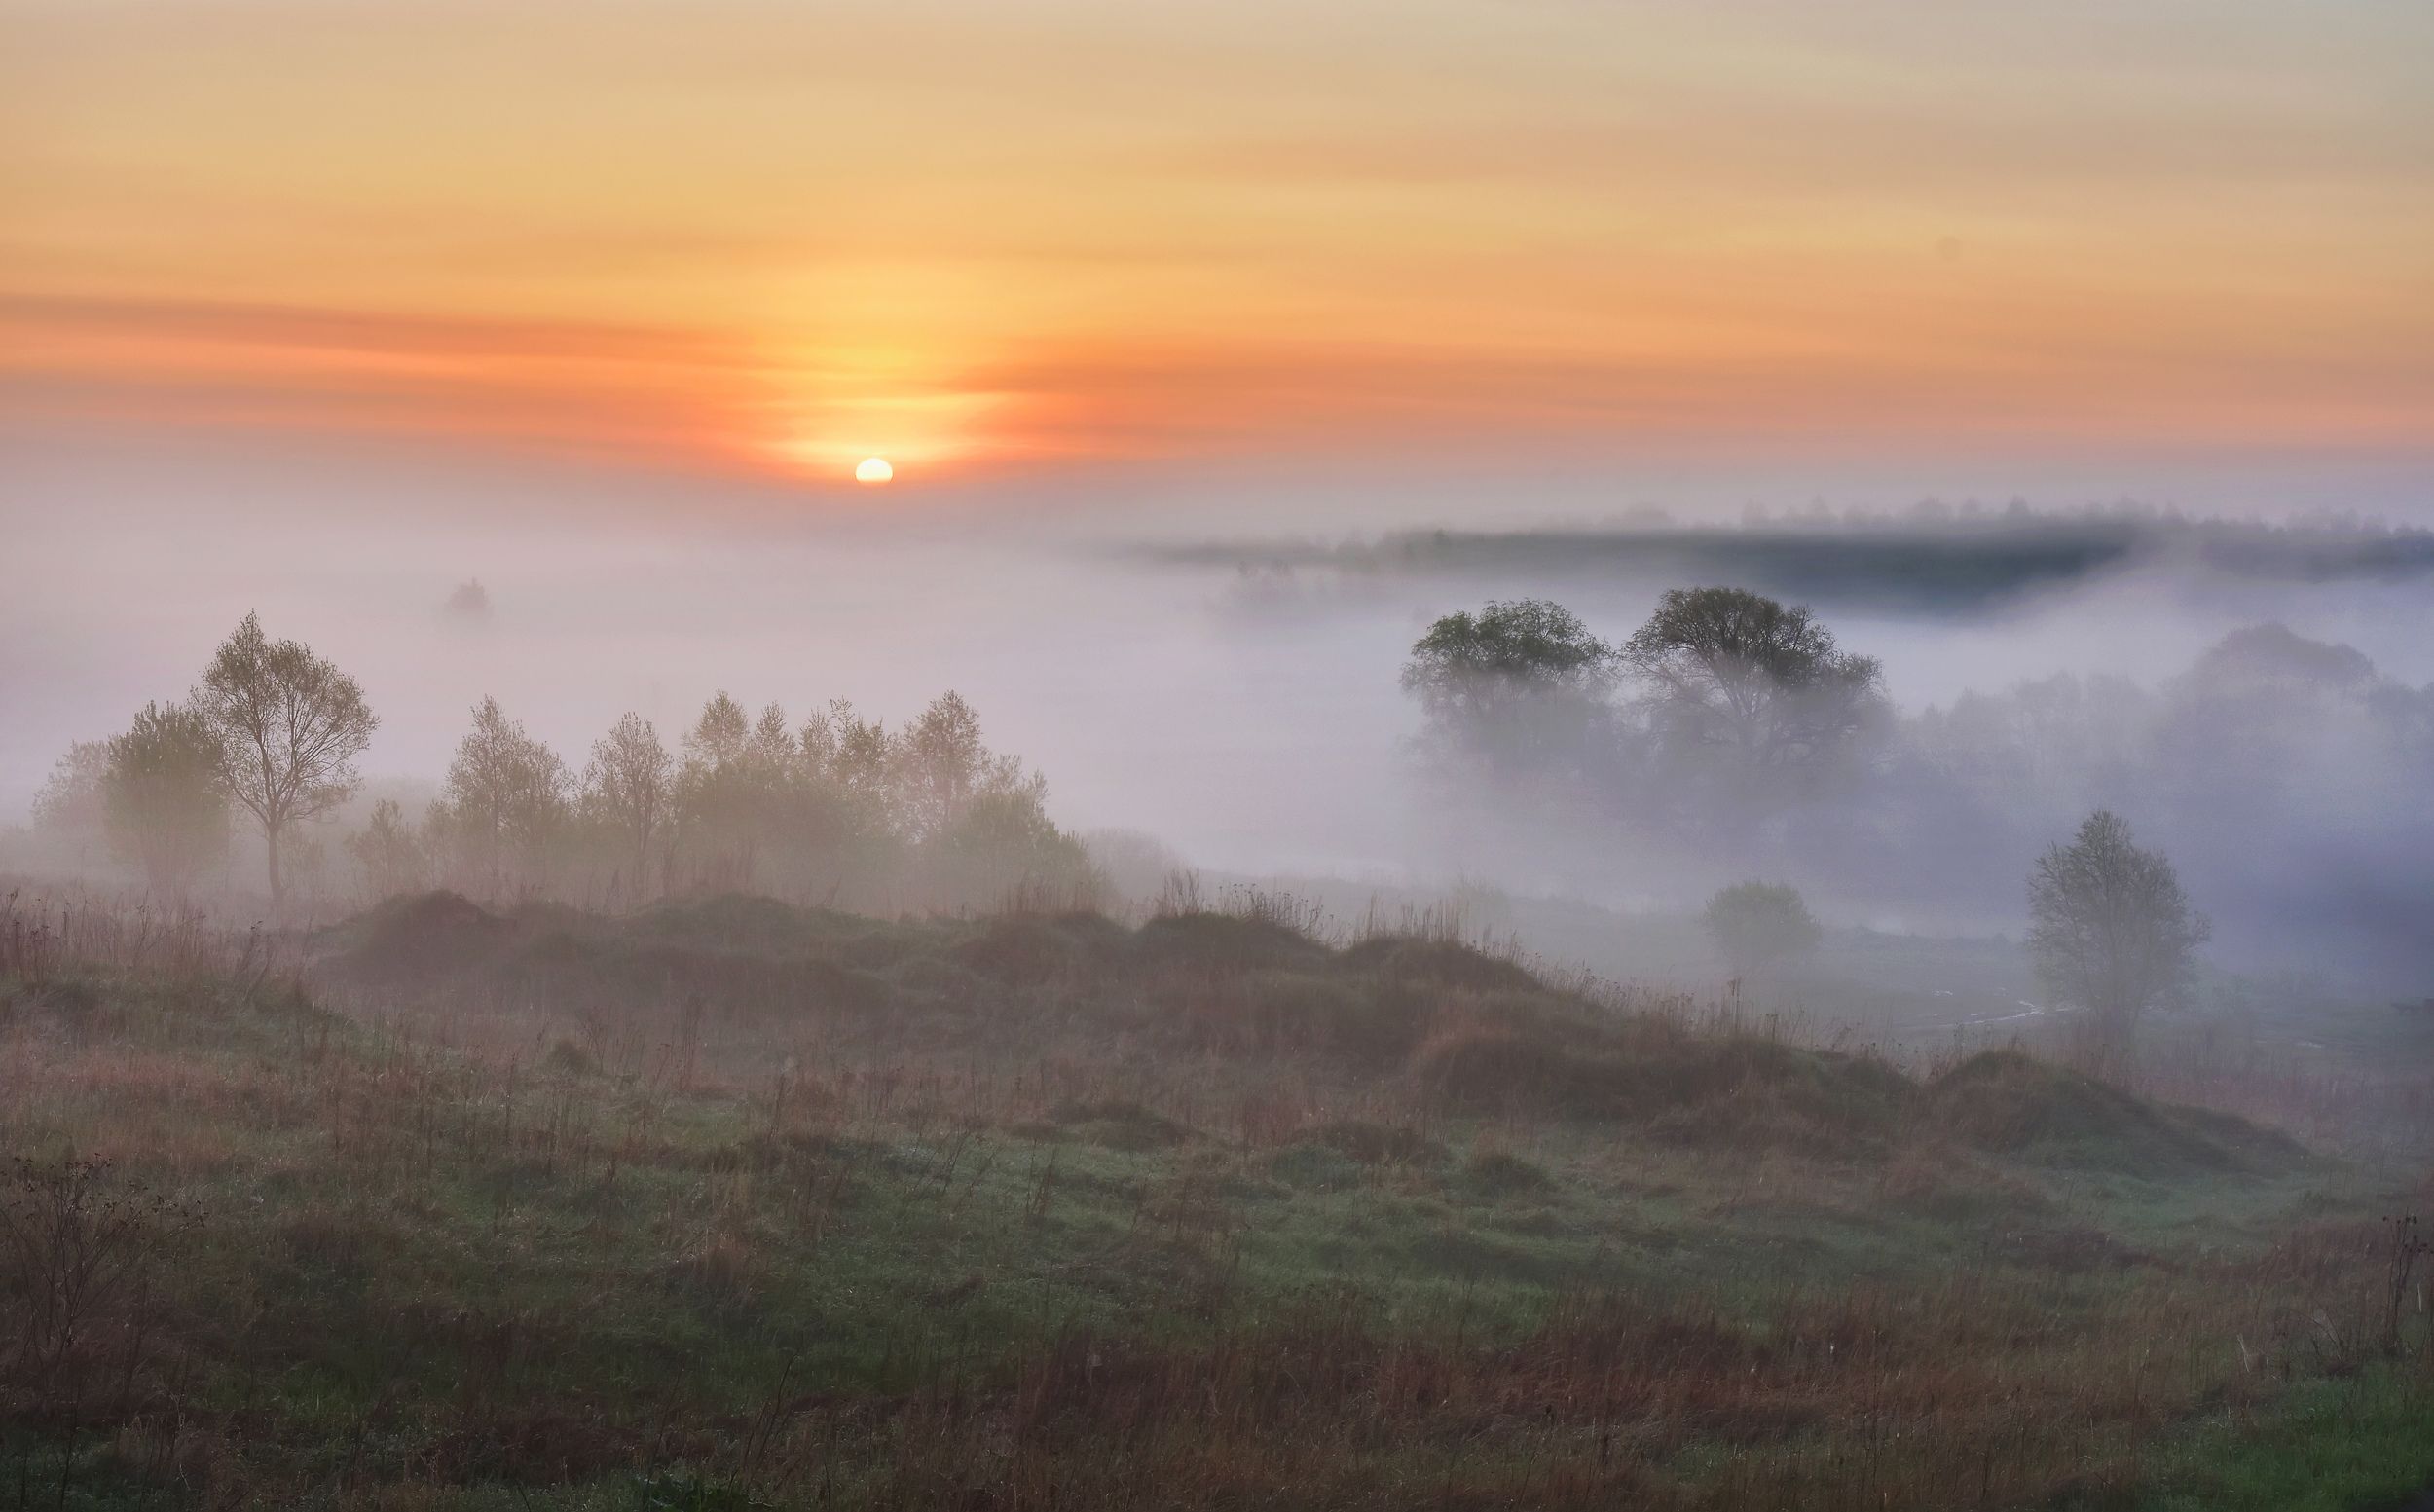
727	1203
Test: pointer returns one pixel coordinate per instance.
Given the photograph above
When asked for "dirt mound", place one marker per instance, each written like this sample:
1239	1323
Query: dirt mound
415	940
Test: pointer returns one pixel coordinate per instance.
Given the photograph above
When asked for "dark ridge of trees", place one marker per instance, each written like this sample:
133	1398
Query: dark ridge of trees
1965	560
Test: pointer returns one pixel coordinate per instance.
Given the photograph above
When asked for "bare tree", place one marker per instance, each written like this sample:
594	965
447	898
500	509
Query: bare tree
628	786
2110	929
163	799
289	725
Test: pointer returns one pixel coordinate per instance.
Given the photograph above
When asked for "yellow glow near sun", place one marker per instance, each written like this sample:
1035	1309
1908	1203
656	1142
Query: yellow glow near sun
873	469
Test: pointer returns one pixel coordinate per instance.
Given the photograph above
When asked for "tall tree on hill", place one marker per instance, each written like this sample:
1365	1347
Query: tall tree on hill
2110	929
289	727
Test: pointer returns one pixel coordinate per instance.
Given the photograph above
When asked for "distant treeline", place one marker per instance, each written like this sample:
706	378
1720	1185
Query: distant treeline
836	809
1936	560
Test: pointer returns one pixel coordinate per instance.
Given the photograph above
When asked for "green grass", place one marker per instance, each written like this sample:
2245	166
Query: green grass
791	1250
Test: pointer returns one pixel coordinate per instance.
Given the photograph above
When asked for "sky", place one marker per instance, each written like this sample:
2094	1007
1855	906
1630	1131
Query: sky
2177	250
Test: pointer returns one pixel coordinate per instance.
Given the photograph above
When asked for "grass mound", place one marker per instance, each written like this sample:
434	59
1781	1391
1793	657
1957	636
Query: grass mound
1689	1088
413	938
1225	942
1442	962
1471	1033
2010	1103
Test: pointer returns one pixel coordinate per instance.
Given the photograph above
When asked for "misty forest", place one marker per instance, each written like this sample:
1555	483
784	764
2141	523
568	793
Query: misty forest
1216	756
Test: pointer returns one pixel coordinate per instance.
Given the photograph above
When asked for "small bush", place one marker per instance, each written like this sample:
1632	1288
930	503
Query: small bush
1759	924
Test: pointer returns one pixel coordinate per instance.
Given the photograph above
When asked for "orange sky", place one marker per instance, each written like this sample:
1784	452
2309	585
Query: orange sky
778	237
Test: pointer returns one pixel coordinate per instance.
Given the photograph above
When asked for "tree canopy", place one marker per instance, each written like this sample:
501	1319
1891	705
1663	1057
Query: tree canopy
1728	673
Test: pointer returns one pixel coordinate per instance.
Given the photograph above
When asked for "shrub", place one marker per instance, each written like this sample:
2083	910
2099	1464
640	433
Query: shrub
1759	924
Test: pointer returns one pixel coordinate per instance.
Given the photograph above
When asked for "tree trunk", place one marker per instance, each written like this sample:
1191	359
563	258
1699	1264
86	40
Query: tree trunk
269	844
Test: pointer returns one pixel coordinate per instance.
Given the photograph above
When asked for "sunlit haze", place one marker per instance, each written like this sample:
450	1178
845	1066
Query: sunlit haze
774	240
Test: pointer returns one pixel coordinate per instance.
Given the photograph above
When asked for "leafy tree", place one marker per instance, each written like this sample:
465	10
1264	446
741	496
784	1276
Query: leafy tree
1521	686
1738	686
162	797
289	727
629	788
504	798
1759	924
2110	929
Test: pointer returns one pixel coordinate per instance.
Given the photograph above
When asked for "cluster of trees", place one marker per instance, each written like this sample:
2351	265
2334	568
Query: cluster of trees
836	809
1722	712
272	731
1731	735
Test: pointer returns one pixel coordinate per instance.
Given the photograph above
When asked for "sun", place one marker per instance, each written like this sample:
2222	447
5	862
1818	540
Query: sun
873	469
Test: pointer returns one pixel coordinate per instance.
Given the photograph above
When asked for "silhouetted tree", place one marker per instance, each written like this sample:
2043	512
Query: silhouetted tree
2110	929
289	727
163	798
1742	690
1519	687
1761	924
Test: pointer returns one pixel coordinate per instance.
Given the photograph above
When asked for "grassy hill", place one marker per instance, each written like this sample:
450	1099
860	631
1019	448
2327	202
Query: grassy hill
733	1204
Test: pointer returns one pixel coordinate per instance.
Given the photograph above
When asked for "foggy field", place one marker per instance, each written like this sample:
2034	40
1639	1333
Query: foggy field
1487	1054
1071	755
729	1204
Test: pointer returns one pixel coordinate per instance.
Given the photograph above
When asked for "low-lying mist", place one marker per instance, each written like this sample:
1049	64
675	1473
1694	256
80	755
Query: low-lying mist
1237	699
